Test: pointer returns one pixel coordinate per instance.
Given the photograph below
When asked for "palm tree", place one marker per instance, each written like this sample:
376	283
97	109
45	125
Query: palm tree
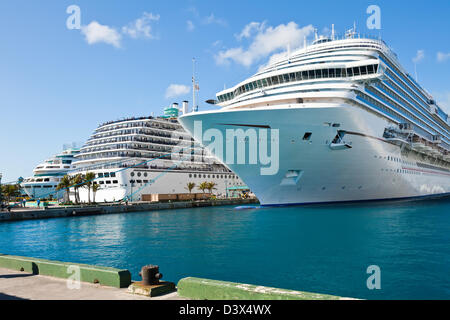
88	183
211	186
10	190
65	184
95	188
203	186
190	186
77	183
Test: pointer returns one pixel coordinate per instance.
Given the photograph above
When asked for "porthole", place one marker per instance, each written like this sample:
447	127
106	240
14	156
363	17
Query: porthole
307	136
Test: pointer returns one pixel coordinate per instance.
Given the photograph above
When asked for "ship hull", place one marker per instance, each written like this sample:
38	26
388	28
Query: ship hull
148	182
364	168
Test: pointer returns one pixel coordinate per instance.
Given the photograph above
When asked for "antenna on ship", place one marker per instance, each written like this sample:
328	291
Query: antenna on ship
332	32
289	52
195	88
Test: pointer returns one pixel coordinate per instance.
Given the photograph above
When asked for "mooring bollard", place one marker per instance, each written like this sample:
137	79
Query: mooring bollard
150	275
150	285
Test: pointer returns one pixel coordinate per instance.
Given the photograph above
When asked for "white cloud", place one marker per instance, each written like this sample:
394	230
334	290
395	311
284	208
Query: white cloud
190	25
194	11
442	57
141	28
266	41
96	33
212	19
419	56
250	28
176	90
217	43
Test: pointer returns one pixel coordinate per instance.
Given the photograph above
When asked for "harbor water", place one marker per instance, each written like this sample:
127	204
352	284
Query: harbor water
323	249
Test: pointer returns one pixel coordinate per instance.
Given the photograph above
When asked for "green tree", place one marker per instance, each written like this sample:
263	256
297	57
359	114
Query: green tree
65	184
203	186
95	188
10	191
88	183
190	186
77	183
211	186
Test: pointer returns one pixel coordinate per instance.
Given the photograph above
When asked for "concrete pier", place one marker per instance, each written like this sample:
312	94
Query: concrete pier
101	209
39	279
16	285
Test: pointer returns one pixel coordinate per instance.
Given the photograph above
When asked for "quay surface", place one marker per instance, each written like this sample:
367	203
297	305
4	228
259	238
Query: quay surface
18	214
16	285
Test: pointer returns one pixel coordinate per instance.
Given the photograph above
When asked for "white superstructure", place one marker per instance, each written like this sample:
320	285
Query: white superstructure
47	175
148	155
353	125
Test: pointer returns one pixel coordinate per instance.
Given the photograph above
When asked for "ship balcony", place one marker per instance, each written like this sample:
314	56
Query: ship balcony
418	146
406	128
437	139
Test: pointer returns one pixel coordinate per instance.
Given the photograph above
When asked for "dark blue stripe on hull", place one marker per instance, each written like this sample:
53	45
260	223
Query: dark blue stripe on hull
426	197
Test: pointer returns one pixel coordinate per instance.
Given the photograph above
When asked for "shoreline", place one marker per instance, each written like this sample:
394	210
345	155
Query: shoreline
103	209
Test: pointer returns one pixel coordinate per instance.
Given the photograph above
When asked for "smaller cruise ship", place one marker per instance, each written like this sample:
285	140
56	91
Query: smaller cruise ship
47	175
134	158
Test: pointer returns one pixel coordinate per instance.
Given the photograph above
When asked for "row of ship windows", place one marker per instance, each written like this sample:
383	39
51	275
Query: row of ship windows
399	108
401	171
395	159
38	187
423	106
171	142
106	182
221	176
399	117
153	155
139	124
422	98
299	76
142	132
42	180
406	100
131	146
302	57
417	164
106	175
52	167
102	155
404	79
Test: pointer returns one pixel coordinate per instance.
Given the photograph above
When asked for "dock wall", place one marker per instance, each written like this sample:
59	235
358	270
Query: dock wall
71	211
88	273
205	289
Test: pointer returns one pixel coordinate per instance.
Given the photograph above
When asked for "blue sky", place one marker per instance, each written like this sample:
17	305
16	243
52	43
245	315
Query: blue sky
57	85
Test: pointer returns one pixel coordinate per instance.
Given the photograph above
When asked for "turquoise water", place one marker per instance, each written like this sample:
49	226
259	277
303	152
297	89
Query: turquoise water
324	249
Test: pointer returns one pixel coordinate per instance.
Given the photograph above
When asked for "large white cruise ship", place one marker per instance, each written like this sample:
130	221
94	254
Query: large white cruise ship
340	120
135	157
47	175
